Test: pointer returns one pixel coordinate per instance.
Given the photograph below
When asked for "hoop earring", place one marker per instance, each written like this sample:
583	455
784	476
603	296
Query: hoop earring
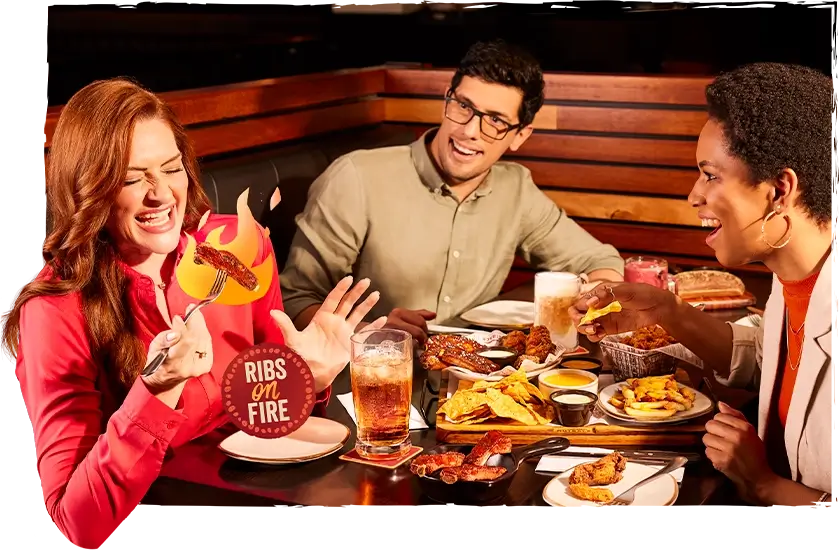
775	212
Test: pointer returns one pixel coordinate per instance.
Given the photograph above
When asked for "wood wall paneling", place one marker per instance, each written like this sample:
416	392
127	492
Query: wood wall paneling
668	90
676	182
608	206
665	240
594	118
256	98
255	132
661	152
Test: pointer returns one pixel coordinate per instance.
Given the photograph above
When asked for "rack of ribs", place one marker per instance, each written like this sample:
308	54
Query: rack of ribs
467	360
453	350
449	341
227	262
471	472
427	464
493	443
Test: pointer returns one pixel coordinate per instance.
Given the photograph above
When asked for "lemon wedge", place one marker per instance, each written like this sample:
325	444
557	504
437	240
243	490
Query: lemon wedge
592	314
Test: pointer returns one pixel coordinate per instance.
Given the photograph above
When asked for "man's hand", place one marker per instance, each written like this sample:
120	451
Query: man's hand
412	321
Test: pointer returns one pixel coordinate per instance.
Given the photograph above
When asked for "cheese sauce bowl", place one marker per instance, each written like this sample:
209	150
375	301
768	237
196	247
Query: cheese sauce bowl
567	379
588	364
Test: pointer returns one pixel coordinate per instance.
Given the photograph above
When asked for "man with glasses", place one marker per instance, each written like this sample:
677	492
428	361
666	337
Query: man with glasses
436	225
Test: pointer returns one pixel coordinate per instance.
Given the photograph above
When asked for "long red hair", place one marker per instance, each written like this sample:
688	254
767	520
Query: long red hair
87	167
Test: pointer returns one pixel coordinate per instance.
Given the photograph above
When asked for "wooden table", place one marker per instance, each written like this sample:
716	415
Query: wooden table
199	474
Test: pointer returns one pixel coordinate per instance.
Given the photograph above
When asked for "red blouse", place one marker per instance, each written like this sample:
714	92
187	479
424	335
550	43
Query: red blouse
100	448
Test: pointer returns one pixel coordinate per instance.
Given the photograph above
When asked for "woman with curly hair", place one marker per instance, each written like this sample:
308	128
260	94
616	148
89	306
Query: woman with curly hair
765	188
123	194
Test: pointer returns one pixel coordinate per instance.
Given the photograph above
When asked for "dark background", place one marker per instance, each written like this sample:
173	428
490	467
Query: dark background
178	46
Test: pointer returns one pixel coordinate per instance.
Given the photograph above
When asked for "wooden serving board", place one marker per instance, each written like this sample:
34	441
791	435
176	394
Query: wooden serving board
682	435
725	302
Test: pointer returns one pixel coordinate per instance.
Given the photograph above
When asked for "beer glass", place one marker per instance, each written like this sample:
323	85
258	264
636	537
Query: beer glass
381	369
555	292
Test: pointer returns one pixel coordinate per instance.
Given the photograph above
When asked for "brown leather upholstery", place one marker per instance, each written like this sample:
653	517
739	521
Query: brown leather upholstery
292	169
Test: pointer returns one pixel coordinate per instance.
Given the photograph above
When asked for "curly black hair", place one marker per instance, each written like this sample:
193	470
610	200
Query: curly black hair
777	116
498	62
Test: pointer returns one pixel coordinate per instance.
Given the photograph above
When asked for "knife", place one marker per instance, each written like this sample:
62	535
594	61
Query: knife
641	455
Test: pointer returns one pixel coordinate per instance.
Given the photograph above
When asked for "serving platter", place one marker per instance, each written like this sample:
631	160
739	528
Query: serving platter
612	433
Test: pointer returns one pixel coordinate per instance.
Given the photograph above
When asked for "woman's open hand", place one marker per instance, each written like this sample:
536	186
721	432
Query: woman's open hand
325	343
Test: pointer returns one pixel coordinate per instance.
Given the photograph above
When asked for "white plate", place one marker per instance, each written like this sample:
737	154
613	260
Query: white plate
701	405
749	321
662	491
443	329
316	438
501	314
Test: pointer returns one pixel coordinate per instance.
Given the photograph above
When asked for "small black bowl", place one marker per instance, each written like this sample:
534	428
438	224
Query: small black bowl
595	366
499	355
573	415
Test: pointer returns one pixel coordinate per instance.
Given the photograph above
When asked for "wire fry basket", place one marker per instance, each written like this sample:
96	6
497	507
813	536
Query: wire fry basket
630	362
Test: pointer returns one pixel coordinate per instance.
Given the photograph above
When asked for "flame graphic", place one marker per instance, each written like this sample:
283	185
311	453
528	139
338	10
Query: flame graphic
196	280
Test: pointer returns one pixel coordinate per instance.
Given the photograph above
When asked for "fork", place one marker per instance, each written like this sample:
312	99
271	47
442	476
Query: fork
627	497
215	292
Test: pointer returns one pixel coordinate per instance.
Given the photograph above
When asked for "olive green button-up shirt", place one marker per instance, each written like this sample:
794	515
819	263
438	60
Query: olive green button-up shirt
386	214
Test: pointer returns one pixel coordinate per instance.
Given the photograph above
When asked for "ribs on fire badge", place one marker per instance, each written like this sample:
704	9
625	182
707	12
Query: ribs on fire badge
268	391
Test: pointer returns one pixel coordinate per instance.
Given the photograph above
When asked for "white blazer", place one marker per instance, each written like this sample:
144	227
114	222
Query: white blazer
755	364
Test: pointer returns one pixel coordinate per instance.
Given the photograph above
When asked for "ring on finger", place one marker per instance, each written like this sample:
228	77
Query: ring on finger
201	354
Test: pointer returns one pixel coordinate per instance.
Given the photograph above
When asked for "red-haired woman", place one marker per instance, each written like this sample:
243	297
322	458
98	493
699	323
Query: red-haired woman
122	193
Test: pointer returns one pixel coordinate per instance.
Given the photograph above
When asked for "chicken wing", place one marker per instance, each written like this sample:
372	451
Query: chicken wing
606	471
584	492
539	343
516	340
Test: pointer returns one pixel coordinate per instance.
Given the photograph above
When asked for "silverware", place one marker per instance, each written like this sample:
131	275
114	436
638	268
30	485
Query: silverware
554	473
627	497
215	292
710	391
655	456
755	319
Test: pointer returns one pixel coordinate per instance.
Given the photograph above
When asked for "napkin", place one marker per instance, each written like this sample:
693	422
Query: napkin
558	463
417	422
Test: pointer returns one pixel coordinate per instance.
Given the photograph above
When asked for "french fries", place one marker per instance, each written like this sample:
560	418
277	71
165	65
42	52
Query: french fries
653	397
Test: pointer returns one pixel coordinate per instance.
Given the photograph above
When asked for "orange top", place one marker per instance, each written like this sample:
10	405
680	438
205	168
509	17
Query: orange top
797	299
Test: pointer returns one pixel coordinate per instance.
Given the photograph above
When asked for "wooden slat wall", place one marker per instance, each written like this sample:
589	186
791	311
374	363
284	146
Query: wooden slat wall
616	152
225	119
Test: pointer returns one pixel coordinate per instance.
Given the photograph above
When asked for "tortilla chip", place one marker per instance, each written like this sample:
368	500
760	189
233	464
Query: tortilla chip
463	403
592	314
506	407
512	398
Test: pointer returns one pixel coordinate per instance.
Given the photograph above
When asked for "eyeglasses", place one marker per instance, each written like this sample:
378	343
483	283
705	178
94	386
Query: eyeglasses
491	126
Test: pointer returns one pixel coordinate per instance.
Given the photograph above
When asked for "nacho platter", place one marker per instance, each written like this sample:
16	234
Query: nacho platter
502	415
